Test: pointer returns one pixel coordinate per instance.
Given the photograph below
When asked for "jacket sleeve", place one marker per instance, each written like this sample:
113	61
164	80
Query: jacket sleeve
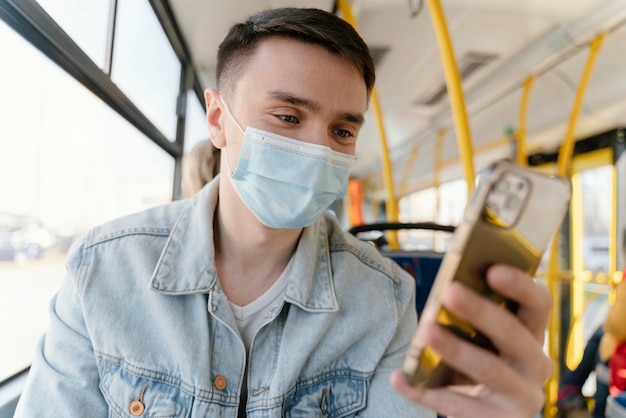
382	399
63	379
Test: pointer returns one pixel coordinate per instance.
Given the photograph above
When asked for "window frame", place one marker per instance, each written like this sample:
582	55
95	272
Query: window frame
32	23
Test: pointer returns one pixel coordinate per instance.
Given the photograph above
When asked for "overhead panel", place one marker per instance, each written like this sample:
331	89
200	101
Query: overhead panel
469	64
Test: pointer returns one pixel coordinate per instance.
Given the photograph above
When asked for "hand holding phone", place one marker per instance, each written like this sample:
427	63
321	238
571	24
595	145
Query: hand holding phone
510	219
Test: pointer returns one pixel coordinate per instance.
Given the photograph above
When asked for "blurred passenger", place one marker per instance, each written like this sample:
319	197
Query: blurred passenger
605	353
614	345
571	402
200	165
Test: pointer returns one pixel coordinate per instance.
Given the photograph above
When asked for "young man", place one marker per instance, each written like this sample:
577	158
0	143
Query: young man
247	300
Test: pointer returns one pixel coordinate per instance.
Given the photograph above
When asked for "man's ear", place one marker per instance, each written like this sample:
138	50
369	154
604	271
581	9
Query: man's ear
214	113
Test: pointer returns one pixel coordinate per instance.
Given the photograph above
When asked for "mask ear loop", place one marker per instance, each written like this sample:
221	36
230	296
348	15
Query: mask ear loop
230	115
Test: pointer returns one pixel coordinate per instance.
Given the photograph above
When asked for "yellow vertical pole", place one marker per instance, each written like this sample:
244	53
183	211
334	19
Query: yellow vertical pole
392	204
575	343
554	326
455	91
567	147
441	136
613	225
407	169
563	168
522	157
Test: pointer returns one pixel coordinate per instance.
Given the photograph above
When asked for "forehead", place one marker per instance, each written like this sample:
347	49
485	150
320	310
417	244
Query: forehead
304	69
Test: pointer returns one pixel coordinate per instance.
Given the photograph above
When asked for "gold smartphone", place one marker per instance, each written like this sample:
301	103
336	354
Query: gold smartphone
510	219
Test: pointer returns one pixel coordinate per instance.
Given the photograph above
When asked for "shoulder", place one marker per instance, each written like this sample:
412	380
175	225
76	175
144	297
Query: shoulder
363	254
154	221
363	277
155	224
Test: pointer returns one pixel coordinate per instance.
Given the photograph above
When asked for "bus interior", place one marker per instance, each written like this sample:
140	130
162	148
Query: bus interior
102	99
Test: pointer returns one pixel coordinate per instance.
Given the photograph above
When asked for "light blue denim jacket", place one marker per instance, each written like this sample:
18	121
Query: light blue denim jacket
141	317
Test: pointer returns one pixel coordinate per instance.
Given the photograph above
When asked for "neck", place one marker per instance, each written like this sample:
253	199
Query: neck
248	255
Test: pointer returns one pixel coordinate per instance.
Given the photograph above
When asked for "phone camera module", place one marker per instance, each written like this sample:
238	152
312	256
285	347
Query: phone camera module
512	202
502	186
505	200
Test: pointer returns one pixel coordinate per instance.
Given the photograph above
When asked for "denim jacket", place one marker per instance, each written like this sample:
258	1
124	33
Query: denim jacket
141	327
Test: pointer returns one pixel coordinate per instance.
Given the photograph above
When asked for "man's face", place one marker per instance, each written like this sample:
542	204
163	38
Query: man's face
301	91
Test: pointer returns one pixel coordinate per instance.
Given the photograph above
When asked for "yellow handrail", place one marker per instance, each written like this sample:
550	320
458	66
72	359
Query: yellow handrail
407	169
441	136
505	140
613	225
576	256
563	167
455	91
567	147
392	205
522	156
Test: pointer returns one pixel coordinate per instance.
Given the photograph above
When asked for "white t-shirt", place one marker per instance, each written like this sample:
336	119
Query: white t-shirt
251	317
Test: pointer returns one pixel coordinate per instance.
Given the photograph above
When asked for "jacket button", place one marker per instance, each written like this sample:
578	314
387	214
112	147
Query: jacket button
136	408
220	382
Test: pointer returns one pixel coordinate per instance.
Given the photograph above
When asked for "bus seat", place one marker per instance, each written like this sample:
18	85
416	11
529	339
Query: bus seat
421	264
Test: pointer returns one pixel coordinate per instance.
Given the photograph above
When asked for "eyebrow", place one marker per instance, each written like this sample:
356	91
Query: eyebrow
353	118
313	106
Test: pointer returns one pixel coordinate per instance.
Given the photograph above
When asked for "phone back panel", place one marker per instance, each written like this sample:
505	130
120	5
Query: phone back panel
510	219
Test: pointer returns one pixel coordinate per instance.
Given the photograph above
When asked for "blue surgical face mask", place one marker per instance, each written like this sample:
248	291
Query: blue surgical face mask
284	182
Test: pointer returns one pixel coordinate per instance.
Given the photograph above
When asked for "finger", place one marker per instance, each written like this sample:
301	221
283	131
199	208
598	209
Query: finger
507	388
534	299
441	400
511	337
478	364
449	402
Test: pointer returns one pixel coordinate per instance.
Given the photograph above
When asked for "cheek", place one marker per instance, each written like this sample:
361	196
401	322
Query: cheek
343	148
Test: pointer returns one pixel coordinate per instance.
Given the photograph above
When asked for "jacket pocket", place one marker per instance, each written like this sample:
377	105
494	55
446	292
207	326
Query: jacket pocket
129	395
333	395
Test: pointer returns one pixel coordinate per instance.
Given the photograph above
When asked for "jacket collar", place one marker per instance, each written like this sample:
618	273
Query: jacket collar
187	262
311	285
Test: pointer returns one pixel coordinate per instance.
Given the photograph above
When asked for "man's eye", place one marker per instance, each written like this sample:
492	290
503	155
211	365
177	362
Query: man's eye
342	133
289	119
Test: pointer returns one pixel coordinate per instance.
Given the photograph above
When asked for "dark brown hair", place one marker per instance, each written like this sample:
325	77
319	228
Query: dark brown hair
308	25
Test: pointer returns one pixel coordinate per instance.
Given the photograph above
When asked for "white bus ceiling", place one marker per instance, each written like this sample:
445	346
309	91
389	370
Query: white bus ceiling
512	40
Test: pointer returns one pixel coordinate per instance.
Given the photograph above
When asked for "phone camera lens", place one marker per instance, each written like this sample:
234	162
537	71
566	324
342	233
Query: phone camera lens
502	186
512	202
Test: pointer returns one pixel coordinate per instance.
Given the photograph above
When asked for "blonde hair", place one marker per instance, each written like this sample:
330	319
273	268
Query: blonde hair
199	167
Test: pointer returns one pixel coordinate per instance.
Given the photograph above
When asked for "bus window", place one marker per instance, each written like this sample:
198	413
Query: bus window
67	163
145	66
452	202
596	203
418	207
85	22
195	122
